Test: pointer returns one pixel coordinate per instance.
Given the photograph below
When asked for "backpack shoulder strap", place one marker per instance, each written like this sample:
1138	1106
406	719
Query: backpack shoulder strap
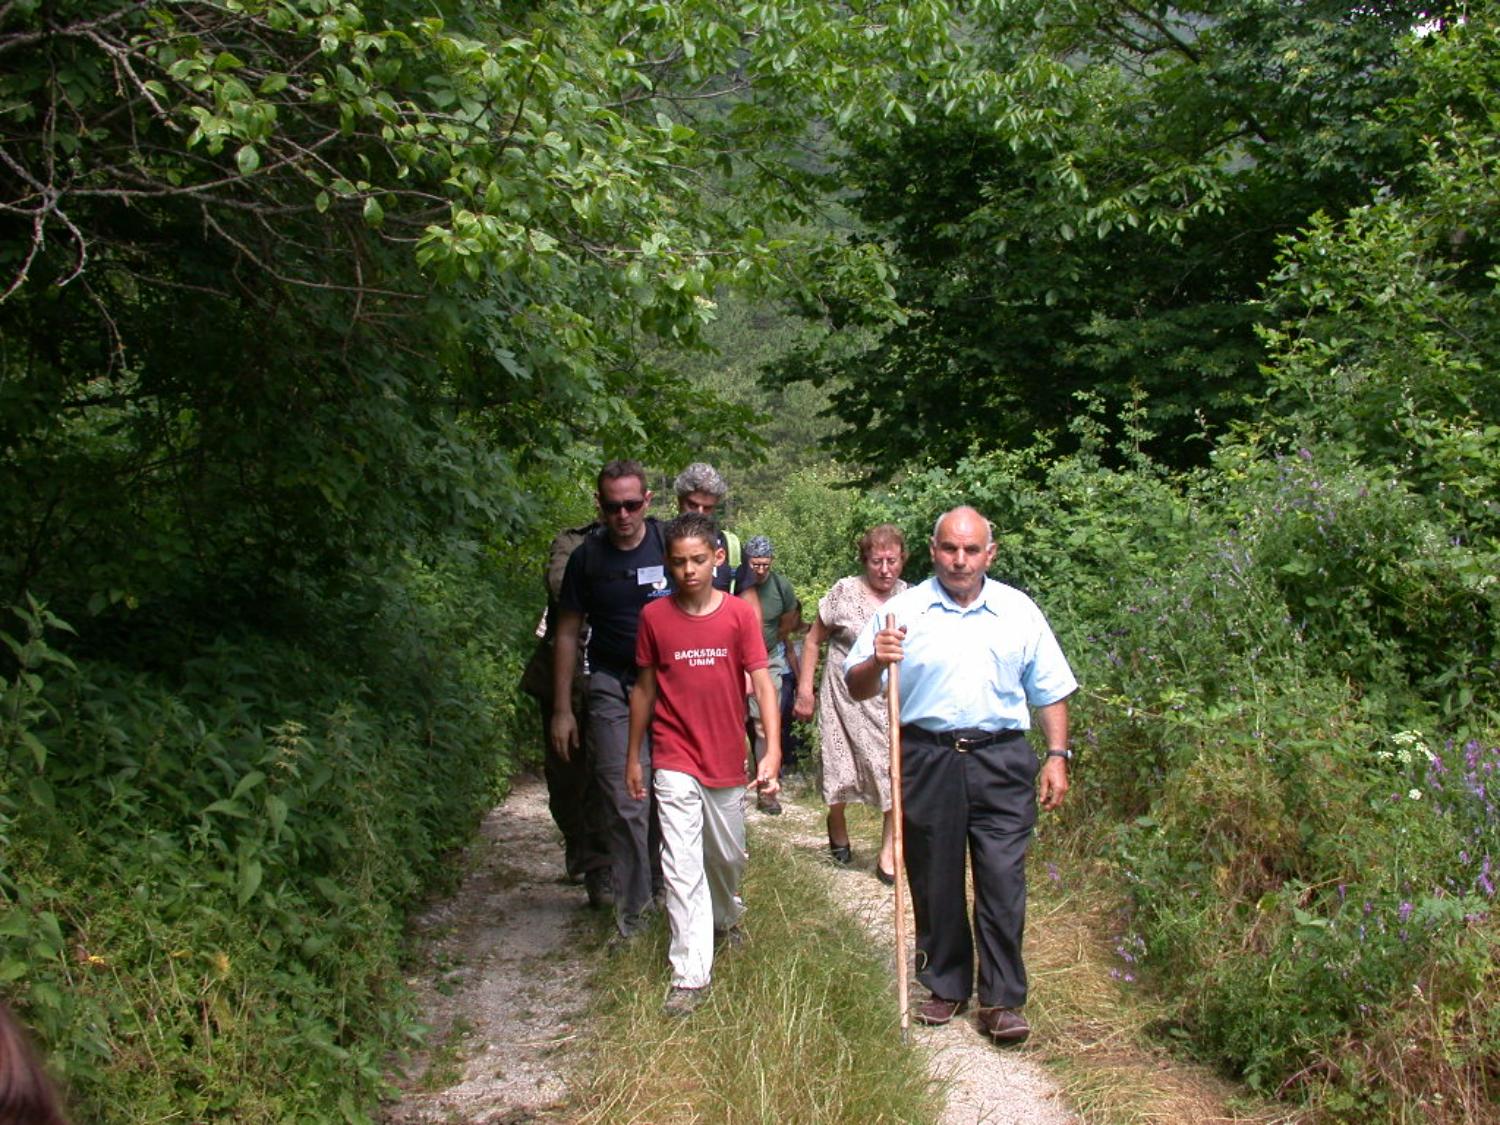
732	541
593	554
563	545
788	595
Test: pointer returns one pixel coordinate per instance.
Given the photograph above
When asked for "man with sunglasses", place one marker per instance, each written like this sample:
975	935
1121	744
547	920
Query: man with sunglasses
609	579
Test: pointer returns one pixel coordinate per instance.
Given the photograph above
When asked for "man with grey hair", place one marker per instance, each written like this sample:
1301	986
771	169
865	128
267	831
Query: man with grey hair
701	489
976	658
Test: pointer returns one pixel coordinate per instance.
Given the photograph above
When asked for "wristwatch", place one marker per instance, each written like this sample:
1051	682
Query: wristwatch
1065	755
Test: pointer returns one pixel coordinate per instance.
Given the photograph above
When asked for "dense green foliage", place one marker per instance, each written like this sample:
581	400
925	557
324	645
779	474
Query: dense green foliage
307	310
207	864
1103	216
1289	656
293	285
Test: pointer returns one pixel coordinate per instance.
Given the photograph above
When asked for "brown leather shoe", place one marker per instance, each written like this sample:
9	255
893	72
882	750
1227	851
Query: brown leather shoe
1004	1026
935	1011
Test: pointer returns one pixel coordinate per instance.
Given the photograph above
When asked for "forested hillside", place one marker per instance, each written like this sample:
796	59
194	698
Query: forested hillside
316	319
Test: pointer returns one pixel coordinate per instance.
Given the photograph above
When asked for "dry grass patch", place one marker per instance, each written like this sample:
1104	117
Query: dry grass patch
1101	1033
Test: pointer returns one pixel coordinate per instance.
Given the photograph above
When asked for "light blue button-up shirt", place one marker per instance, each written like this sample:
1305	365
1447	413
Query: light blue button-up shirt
984	665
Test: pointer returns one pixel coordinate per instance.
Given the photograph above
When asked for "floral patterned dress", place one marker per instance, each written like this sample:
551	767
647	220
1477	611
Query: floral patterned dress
856	751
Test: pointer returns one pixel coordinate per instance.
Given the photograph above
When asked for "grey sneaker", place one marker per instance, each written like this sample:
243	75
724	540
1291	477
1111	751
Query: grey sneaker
619	941
684	1001
596	886
732	938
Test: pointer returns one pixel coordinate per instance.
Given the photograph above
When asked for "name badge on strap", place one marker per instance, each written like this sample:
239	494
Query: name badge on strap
650	575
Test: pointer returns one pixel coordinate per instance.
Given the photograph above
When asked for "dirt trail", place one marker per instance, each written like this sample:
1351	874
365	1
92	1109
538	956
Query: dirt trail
504	965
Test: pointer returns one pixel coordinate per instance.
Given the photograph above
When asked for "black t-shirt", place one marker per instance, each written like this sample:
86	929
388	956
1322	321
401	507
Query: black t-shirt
609	586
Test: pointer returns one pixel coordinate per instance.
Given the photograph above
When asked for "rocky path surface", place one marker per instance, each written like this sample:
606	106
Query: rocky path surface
504	965
502	973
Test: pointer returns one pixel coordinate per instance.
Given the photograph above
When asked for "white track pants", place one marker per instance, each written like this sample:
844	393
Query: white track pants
703	858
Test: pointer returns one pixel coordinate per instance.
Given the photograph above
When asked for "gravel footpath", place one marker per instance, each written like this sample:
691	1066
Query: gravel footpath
502	975
504	963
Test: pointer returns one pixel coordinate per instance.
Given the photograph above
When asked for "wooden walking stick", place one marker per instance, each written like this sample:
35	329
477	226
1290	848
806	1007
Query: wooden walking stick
893	707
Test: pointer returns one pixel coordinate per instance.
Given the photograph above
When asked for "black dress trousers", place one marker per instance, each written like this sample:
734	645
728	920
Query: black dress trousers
980	802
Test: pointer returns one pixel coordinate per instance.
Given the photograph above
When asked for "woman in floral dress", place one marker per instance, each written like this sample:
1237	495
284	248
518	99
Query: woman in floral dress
856	761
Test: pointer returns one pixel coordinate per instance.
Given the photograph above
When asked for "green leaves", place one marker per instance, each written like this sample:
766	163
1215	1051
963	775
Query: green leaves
1089	199
247	159
247	880
434	227
233	842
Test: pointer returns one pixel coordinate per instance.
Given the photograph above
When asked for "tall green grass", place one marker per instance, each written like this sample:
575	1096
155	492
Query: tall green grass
801	1024
204	866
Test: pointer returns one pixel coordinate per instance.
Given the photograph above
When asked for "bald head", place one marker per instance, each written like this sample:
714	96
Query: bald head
963	513
962	550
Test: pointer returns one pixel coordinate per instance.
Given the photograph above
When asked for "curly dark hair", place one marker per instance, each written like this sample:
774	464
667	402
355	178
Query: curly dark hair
691	525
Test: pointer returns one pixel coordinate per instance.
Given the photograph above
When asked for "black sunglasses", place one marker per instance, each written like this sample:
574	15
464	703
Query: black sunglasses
613	507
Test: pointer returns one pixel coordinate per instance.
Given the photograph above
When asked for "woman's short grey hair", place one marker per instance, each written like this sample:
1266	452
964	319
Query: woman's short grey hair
700	477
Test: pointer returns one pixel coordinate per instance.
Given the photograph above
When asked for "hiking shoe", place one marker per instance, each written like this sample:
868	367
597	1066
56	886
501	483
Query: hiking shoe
1004	1026
618	942
596	886
732	938
935	1011
771	806
843	854
684	1001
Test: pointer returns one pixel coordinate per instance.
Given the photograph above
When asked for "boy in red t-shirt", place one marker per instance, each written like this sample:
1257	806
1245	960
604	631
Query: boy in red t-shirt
693	651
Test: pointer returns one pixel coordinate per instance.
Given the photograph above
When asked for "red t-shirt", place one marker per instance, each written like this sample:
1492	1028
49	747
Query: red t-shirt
700	662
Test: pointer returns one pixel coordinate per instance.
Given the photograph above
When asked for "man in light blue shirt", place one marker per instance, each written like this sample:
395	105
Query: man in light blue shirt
977	657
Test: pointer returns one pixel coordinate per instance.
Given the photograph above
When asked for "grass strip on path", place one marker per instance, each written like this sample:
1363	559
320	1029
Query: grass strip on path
800	1026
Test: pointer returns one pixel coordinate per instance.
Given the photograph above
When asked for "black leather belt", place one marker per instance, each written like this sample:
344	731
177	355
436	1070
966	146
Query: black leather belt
962	740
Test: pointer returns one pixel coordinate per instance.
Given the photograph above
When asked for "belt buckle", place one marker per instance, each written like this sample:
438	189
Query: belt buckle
964	745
